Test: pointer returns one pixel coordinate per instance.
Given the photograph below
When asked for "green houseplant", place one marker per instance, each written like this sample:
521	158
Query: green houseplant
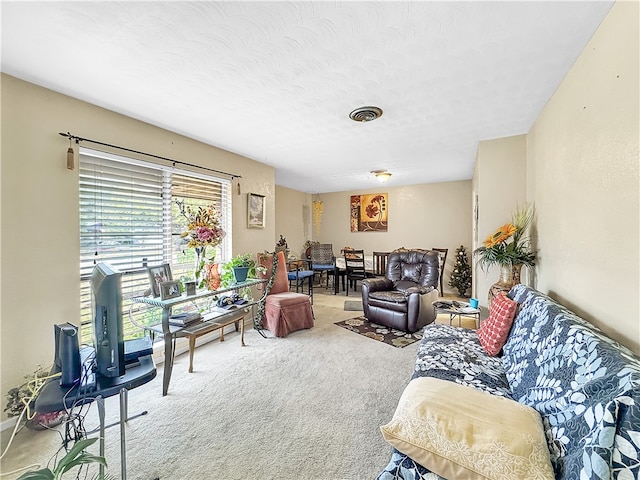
245	262
74	457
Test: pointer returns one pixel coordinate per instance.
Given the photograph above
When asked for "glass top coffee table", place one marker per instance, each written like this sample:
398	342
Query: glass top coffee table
454	309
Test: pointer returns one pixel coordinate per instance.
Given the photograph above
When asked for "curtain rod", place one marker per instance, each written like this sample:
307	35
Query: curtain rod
80	139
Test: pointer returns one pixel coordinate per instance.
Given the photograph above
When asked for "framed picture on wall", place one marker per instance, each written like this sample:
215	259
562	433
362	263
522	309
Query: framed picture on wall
255	210
369	213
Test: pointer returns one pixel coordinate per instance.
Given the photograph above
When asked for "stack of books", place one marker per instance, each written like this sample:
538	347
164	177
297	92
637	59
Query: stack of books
184	319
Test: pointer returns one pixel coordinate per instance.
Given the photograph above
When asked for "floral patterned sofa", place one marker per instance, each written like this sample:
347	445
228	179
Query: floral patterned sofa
585	386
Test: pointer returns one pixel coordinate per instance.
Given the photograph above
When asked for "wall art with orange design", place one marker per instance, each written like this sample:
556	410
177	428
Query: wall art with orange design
369	213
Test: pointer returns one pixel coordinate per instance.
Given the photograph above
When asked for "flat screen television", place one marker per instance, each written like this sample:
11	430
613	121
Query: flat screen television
106	310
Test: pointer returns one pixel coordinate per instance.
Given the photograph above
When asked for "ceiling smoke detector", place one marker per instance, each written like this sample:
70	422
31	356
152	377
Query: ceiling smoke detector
365	114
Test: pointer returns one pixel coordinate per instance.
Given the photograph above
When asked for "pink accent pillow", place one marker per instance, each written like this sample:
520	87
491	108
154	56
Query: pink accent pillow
493	332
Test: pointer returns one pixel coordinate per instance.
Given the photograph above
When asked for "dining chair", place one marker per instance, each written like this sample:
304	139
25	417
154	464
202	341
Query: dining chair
323	260
354	267
442	253
297	272
380	263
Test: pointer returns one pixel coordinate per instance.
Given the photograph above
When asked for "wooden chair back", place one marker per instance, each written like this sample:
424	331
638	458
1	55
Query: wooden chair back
380	263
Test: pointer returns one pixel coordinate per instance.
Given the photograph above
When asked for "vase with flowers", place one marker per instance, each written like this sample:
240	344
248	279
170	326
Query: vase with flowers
203	231
508	247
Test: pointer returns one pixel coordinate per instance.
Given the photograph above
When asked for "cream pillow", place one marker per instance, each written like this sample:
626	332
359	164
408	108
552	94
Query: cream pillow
460	432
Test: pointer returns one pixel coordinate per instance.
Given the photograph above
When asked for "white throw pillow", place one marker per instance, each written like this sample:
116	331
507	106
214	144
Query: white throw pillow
460	432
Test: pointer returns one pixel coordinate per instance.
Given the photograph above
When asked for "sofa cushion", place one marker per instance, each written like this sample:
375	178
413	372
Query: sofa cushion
493	331
459	432
389	299
585	385
455	354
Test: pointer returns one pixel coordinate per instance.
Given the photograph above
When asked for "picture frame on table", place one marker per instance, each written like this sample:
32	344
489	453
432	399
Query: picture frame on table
157	275
170	289
256	207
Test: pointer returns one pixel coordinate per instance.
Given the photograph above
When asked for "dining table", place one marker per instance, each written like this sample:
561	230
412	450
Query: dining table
340	271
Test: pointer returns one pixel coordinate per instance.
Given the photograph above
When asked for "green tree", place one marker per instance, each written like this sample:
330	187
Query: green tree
461	275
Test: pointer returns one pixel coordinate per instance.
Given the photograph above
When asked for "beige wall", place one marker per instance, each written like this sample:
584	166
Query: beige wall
583	175
436	215
39	211
293	218
500	186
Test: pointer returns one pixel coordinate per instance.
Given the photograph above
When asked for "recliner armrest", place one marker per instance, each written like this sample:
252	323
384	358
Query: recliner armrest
420	290
376	284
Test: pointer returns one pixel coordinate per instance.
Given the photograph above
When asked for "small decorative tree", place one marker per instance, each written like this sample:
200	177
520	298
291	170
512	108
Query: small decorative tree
461	275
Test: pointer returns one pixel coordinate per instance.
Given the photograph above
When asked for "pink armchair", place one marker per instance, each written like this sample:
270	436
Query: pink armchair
285	311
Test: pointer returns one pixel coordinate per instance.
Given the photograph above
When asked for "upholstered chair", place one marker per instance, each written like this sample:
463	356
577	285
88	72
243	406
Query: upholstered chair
284	311
402	299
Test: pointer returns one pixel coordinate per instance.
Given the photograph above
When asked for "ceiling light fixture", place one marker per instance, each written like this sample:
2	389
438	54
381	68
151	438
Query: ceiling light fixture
365	114
382	175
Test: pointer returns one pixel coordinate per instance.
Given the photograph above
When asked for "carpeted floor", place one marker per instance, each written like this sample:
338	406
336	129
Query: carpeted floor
306	406
380	333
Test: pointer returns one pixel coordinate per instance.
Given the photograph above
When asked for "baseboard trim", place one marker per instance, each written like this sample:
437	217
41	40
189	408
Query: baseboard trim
9	423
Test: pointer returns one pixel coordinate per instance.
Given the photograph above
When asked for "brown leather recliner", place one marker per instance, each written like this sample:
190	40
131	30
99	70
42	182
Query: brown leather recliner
403	298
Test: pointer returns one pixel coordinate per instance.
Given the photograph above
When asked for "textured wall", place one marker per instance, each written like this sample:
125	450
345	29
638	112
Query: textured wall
433	215
500	185
583	175
293	218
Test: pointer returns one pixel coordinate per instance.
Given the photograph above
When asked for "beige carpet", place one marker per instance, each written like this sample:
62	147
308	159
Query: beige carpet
306	406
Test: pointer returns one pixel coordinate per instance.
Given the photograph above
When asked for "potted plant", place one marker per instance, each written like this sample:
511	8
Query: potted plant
509	247
306	248
74	457
23	396
238	269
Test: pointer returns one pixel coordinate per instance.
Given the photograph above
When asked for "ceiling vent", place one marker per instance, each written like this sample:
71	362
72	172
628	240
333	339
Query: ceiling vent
365	114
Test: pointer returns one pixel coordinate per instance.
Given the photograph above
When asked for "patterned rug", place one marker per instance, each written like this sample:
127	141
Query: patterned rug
390	336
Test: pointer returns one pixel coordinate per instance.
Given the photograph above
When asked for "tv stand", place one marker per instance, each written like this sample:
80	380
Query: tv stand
54	397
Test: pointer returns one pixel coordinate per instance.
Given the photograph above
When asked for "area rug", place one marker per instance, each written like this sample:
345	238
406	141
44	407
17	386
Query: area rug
390	336
353	305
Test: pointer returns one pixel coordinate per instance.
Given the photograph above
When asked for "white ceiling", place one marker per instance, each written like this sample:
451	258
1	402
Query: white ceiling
275	81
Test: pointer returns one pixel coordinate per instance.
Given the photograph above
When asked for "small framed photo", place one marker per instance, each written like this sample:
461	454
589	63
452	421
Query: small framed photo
158	274
169	289
255	210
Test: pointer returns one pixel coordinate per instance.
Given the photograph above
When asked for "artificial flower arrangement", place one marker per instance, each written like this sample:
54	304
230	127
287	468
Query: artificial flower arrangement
203	230
509	244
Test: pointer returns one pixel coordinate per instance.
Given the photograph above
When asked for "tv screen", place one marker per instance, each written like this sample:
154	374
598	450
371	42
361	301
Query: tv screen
106	309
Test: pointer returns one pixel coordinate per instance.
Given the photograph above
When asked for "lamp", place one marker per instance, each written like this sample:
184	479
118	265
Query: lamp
382	175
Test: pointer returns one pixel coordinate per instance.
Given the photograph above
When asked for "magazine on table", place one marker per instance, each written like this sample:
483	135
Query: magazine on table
455	305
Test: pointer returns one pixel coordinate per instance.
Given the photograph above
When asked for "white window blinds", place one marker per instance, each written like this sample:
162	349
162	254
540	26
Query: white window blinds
129	219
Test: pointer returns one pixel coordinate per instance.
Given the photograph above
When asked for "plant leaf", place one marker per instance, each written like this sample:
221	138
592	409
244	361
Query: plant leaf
77	456
44	474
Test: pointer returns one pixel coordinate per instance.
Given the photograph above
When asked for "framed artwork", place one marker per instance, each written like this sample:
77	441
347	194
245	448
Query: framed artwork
170	289
369	213
255	210
157	275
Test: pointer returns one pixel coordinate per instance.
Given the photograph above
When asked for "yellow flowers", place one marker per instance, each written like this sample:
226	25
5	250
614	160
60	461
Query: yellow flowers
502	234
509	244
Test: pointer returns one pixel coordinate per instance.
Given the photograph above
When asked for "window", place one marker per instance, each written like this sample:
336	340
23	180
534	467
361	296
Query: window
129	219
